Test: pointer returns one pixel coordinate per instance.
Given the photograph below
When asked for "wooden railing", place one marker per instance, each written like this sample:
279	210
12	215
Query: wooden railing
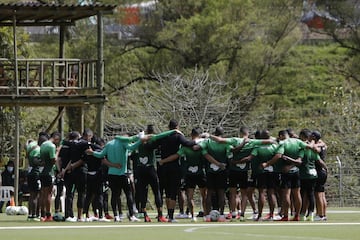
46	76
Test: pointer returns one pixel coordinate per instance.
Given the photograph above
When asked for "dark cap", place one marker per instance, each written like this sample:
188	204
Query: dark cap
196	131
219	131
316	135
173	124
150	129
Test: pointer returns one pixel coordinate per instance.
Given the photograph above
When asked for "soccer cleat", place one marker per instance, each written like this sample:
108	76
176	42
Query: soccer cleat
268	217
147	218
302	218
121	216
103	219
277	217
242	219
48	219
284	219
310	218
193	219
70	219
108	216
162	219
182	216
296	219
207	218
81	220
229	216
117	219
172	221
134	219
254	216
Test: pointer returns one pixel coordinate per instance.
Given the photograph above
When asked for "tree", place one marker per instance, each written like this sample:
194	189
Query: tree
235	41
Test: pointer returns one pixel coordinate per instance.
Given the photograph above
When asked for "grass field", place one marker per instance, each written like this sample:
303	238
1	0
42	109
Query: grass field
342	224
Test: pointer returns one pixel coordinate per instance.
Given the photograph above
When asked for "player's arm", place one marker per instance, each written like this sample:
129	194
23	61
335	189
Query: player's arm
97	154
272	161
243	160
110	164
162	135
185	142
218	139
214	161
170	158
296	162
239	147
322	164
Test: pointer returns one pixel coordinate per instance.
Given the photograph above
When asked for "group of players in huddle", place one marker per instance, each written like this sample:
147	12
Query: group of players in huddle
289	171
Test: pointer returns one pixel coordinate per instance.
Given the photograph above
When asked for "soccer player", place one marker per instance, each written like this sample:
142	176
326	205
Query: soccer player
63	162
308	176
94	185
320	197
216	155
171	171
33	156
192	162
266	178
238	175
117	151
48	158
290	177
145	161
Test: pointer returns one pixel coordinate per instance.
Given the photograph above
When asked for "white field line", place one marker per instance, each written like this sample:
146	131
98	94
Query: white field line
174	225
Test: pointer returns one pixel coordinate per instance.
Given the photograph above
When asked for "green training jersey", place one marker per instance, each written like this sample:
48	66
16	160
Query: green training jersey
219	151
33	153
192	162
117	151
307	167
262	154
244	152
290	147
47	156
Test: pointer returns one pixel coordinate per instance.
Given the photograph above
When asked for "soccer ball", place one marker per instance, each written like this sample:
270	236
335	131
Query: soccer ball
23	210
214	215
10	210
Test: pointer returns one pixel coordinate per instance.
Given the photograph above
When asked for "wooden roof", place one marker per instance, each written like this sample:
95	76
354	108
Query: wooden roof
39	14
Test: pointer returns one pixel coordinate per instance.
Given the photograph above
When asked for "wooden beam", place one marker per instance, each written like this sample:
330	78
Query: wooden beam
39	100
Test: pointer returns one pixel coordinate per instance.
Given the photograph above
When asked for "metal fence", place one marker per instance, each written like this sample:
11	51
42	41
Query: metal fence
343	184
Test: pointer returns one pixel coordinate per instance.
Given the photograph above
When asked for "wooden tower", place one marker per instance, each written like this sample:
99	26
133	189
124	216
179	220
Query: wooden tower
58	82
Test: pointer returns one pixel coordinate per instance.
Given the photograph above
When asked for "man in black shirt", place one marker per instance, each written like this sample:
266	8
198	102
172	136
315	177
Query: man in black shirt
171	172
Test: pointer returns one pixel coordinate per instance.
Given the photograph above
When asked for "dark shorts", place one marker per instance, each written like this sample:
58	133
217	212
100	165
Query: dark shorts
46	180
252	181
307	185
238	179
320	181
34	183
216	180
191	181
170	181
268	180
290	180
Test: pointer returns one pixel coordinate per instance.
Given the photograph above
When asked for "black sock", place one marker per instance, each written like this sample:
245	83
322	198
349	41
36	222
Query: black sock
171	213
